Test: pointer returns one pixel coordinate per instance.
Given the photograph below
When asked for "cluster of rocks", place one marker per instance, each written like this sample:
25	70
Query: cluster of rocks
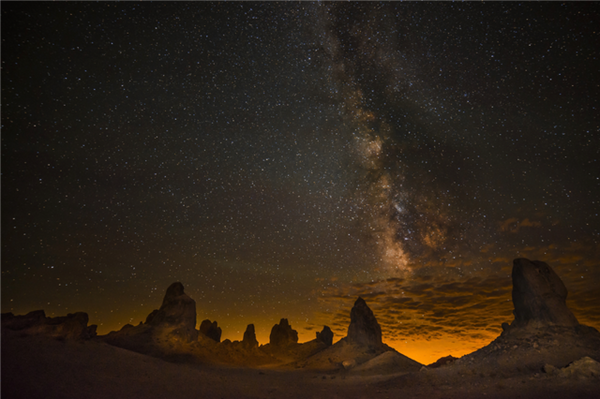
586	367
171	328
72	326
544	333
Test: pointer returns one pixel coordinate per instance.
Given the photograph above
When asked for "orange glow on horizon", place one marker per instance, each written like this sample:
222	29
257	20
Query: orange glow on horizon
422	350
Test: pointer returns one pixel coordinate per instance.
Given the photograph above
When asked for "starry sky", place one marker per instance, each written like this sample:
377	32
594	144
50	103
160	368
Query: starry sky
280	159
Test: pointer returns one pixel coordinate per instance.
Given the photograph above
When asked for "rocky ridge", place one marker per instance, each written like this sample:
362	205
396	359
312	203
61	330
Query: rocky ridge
72	326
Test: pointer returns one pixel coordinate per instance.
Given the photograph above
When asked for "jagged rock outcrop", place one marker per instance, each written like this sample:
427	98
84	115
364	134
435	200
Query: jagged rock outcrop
539	296
364	328
282	334
23	322
211	330
544	331
361	351
72	326
173	323
177	309
325	336
249	340
177	313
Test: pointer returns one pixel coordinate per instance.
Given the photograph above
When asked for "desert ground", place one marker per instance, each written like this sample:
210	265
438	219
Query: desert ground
43	367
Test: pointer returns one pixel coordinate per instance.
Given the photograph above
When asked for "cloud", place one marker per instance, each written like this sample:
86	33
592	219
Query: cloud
428	310
460	309
513	225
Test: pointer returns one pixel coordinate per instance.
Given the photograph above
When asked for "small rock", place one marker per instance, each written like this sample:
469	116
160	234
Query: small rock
442	361
348	364
550	369
584	367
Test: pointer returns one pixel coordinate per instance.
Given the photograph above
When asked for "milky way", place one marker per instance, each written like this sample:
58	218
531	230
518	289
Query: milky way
279	159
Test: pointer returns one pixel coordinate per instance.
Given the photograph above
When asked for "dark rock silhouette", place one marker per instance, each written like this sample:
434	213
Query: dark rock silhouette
211	330
539	296
364	328
543	332
325	336
249	340
177	313
22	322
361	351
150	316
443	361
282	334
72	326
174	322
177	309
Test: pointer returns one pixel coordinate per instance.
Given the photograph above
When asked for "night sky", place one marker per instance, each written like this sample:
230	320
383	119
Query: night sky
280	159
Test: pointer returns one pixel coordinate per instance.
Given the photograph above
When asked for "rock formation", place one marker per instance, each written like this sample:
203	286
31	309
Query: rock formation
544	331
539	296
173	323
71	326
211	330
364	328
177	309
325	336
282	334
177	313
361	351
249	340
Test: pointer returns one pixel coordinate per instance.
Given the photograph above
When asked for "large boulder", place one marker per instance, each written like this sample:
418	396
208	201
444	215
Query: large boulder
364	329
539	296
211	330
282	334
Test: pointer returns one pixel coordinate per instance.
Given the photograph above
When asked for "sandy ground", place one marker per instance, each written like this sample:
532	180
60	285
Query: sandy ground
42	367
